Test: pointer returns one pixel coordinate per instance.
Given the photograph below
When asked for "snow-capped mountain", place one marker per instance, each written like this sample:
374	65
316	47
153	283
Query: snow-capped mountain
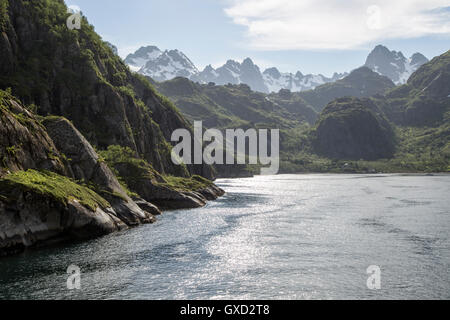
235	73
393	64
298	82
271	80
166	65
161	65
140	58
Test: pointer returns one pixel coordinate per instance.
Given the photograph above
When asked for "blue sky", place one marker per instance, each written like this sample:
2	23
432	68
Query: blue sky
312	36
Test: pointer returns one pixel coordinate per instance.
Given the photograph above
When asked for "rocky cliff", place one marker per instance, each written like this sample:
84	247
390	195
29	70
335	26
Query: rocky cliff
73	73
169	64
70	97
40	198
393	64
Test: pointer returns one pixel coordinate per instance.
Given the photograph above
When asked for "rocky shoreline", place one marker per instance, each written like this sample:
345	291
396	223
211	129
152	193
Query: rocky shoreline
34	220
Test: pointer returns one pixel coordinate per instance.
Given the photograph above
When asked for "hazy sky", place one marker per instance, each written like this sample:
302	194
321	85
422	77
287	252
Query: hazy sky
312	36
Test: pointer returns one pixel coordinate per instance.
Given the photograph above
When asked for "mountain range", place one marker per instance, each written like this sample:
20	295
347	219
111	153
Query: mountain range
169	64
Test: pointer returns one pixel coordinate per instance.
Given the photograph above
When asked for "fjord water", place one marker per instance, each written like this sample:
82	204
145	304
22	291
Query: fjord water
280	237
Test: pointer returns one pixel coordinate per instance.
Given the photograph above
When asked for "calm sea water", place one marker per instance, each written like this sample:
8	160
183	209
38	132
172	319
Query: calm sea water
281	237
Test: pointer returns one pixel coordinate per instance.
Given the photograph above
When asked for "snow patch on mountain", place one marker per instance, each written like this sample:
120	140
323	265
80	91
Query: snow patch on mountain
276	81
161	65
140	58
166	65
393	64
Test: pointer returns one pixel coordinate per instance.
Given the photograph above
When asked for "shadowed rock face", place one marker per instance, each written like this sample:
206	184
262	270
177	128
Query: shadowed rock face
24	143
28	216
350	129
86	166
37	219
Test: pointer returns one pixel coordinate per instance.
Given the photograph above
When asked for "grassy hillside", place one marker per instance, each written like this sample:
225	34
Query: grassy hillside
361	83
230	106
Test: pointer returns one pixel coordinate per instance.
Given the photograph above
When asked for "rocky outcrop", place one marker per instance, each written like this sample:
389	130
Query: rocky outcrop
29	218
147	206
87	166
141	178
30	214
171	199
24	143
212	192
351	129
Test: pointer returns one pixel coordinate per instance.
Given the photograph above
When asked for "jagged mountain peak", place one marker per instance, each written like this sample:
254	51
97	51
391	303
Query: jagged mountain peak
168	64
209	68
248	61
418	59
140	58
162	65
393	64
146	49
273	72
232	64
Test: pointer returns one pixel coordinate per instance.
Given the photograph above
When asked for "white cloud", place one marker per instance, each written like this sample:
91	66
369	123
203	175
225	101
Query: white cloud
336	24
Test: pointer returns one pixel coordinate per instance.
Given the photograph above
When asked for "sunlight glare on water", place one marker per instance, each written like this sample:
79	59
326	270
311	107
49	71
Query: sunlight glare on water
279	237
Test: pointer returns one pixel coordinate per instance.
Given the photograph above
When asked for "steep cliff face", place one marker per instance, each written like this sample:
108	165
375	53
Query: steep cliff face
73	73
47	196
87	166
53	184
24	143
